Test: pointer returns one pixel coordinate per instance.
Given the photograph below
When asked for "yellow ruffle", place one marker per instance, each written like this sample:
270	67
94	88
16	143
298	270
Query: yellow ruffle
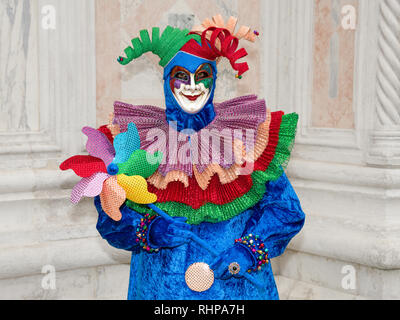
161	182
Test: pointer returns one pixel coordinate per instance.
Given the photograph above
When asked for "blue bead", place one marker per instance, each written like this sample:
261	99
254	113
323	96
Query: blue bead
112	169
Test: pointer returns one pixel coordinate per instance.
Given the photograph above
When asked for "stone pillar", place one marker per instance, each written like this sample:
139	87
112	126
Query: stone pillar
385	139
47	94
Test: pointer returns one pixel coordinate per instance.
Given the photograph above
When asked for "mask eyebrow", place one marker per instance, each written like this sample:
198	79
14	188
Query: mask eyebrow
205	67
179	69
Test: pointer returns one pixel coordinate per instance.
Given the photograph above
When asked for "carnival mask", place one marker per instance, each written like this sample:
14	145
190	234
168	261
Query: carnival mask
192	90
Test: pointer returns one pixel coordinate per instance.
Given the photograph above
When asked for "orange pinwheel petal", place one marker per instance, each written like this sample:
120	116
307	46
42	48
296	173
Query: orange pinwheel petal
112	198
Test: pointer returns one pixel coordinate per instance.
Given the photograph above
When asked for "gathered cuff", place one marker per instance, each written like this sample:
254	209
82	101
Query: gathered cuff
254	245
142	233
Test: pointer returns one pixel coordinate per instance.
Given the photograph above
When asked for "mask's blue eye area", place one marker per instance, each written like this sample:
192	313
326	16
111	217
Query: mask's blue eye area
180	75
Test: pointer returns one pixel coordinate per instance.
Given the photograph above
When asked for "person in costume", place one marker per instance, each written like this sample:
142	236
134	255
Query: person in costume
240	203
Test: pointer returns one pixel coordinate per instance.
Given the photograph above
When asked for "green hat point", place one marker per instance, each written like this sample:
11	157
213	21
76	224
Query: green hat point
166	46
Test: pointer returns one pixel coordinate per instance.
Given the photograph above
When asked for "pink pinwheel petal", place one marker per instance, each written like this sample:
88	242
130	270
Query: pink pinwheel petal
99	146
88	187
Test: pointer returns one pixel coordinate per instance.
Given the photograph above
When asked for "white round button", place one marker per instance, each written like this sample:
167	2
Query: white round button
199	277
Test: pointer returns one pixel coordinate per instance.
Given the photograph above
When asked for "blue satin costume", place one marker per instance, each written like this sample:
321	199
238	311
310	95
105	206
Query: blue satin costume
277	218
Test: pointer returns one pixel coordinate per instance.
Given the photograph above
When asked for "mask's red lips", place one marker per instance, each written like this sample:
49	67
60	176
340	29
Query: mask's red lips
192	98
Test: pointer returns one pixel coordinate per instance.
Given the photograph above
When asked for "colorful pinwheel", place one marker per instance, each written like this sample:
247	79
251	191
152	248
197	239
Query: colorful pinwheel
116	172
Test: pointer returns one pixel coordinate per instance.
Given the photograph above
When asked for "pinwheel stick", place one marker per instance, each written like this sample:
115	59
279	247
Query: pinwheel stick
202	243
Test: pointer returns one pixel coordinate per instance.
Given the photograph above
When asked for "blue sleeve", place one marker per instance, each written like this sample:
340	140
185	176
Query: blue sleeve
277	218
120	234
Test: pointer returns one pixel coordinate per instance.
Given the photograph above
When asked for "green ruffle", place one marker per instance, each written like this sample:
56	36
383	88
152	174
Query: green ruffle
216	213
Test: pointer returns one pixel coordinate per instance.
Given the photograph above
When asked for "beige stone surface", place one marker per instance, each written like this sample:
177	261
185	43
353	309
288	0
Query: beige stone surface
333	59
98	283
108	74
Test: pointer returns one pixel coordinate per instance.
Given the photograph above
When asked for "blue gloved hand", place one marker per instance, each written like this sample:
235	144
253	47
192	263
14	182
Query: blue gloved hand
166	234
238	259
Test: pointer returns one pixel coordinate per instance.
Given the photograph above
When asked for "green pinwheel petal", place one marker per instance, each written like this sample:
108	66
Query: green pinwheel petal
141	163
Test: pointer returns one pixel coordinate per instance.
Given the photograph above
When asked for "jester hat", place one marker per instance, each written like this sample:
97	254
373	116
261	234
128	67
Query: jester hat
190	49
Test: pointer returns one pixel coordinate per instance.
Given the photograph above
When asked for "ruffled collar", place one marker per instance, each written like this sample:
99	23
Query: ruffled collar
235	120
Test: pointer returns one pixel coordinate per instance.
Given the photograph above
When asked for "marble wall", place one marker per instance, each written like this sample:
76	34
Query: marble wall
18	67
334	62
47	91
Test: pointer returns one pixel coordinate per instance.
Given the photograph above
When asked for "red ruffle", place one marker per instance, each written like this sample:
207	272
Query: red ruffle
84	166
107	133
266	157
196	197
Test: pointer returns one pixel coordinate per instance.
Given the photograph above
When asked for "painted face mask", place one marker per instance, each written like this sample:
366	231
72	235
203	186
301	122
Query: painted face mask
192	90
189	85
